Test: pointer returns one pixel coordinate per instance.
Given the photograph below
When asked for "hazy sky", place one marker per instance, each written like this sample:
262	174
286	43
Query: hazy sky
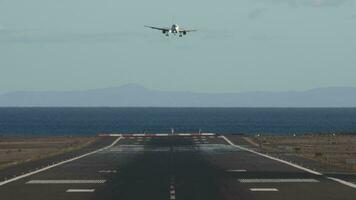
241	45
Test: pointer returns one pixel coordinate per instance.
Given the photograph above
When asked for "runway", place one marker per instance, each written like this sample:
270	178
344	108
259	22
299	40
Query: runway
178	167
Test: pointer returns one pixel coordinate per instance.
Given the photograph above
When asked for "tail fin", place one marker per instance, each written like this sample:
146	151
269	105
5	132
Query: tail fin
173	20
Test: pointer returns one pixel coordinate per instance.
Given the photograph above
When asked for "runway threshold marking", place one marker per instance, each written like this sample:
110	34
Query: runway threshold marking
278	181
289	163
264	190
80	190
58	164
66	182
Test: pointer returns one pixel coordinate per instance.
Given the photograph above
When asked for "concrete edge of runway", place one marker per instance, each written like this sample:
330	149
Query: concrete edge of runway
349	184
58	164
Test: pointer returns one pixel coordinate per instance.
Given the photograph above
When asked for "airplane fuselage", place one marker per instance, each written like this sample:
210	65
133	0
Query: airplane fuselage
175	29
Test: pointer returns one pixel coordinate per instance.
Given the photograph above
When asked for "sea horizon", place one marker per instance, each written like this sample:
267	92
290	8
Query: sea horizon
43	121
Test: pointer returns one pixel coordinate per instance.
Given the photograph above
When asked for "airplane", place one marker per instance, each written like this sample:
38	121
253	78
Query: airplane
175	29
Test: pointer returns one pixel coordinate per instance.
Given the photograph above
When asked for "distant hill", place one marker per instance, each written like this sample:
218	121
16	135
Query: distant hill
138	96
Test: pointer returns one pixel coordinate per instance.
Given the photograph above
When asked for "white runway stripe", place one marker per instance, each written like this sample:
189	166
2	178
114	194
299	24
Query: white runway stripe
172	191
80	190
289	163
271	157
161	134
66	182
59	164
264	189
278	180
353	185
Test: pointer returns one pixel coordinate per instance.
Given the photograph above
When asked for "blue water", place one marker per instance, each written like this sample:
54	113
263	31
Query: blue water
89	121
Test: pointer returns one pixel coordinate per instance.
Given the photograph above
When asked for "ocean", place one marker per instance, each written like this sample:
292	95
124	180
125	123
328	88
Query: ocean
91	121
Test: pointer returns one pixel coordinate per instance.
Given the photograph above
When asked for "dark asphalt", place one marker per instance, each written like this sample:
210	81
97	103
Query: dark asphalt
30	166
169	168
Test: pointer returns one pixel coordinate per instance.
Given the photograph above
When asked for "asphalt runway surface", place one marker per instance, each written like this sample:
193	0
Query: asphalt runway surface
174	167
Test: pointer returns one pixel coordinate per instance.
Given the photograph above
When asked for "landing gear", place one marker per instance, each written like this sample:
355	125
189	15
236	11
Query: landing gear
167	34
180	35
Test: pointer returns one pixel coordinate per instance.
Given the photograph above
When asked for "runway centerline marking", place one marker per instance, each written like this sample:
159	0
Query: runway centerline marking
58	164
278	181
172	191
264	190
80	190
66	182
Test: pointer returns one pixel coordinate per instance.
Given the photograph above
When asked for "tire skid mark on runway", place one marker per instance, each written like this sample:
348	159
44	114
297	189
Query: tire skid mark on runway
58	164
349	184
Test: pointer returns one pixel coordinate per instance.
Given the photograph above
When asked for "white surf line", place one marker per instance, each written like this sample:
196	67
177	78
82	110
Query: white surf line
58	164
264	190
288	163
80	190
278	181
236	170
66	182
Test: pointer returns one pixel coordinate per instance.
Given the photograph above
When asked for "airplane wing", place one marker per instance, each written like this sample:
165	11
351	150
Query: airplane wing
157	28
187	31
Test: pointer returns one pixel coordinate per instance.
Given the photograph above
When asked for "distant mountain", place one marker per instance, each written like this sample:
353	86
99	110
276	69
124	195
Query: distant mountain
137	96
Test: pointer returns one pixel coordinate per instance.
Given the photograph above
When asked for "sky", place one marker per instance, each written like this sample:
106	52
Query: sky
241	45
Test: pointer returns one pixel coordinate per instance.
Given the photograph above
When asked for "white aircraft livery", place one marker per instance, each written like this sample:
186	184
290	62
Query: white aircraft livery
175	29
